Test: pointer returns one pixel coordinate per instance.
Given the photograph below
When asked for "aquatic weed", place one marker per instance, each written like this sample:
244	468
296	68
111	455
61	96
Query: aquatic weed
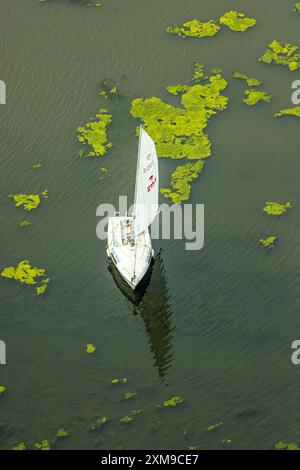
179	131
28	201
90	348
129	395
176	89
119	381
276	208
172	402
24	223
126	419
252	97
212	427
289	112
61	434
286	446
99	423
282	54
43	445
268	242
137	412
250	81
20	446
237	21
27	274
296	7
94	134
180	181
195	29
199	74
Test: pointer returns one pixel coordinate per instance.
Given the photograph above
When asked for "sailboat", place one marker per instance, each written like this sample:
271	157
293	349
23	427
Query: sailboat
128	240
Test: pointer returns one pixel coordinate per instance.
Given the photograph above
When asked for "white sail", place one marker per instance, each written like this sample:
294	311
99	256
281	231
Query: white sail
146	184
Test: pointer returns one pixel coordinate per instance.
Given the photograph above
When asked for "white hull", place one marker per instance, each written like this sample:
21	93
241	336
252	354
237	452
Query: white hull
132	258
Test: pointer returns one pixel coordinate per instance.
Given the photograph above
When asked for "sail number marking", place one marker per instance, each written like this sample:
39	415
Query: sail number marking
152	180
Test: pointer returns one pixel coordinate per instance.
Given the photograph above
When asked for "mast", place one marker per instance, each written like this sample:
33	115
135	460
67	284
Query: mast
135	198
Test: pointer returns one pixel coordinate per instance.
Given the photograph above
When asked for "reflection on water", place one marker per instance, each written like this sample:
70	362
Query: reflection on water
151	301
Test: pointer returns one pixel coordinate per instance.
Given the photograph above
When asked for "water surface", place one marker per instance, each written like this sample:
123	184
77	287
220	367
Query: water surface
214	326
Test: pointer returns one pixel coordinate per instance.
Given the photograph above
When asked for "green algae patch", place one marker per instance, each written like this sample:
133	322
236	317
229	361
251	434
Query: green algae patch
43	445
99	423
176	89
40	290
119	381
286	446
199	73
180	182
27	274
212	427
276	208
172	402
24	223
195	29
250	81
268	242
138	411
289	112
20	446
179	131
94	134
61	434
28	201
126	419
90	348
281	54
237	21
296	7
252	97
226	441
108	91
192	447
129	395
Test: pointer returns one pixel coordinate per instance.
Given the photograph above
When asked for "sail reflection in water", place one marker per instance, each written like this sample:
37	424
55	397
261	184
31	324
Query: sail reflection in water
151	301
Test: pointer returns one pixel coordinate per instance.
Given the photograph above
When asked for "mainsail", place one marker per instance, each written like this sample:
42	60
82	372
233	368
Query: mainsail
146	184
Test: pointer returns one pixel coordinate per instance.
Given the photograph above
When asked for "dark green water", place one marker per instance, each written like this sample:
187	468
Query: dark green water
216	325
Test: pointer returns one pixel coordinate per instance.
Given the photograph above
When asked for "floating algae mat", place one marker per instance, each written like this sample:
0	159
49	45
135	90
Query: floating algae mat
197	29
172	402
94	134
26	274
287	446
297	7
268	242
289	112
249	81
29	201
237	21
252	97
276	208
108	90
179	131
282	54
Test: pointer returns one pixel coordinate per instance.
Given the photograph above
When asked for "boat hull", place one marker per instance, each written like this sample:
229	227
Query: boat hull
131	257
